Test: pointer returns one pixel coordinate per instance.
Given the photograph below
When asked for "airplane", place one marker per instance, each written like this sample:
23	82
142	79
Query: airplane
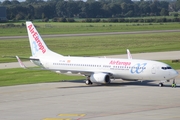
97	70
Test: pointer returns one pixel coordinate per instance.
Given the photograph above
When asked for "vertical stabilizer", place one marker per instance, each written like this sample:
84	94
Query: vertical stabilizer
38	47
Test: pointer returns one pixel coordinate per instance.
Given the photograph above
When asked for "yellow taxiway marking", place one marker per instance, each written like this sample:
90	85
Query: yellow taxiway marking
56	119
72	115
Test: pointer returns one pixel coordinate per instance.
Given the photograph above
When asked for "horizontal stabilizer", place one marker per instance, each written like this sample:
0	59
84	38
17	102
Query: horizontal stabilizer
24	58
20	63
23	66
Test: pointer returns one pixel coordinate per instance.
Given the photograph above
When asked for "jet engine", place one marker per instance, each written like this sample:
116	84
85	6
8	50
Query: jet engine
100	78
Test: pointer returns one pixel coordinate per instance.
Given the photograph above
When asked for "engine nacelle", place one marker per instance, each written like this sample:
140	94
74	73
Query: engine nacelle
100	78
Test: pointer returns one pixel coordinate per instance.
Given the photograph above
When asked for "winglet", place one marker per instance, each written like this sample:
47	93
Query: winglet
129	54
20	62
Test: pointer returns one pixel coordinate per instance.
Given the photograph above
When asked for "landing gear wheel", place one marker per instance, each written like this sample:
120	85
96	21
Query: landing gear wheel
160	84
88	82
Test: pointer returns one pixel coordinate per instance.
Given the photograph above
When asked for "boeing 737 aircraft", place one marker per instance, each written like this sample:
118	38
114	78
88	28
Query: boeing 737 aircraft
97	70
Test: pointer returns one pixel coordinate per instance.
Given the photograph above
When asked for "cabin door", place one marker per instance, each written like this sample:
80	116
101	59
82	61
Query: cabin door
153	70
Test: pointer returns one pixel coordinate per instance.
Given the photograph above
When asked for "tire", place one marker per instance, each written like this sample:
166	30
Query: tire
160	84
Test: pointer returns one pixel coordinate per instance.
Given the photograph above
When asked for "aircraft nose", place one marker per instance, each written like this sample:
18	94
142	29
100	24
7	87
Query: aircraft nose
174	73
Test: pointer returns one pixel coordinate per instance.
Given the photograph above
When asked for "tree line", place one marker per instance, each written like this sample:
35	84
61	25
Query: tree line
52	9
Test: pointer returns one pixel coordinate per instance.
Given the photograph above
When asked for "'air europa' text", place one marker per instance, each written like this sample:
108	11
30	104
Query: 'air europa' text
36	38
117	62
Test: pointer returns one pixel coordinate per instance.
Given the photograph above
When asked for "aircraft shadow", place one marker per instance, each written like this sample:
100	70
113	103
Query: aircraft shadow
148	83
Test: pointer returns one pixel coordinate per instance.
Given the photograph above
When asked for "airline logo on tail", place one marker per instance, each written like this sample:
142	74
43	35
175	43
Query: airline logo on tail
36	39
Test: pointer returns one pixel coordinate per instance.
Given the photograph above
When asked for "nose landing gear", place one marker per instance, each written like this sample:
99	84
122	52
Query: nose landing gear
173	83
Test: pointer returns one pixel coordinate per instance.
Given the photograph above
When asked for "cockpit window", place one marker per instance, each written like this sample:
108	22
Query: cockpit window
165	68
169	68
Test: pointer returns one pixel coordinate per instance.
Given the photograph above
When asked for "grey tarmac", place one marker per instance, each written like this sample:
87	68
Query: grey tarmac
76	101
73	100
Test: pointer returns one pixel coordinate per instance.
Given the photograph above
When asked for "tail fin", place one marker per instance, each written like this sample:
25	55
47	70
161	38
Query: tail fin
129	54
38	46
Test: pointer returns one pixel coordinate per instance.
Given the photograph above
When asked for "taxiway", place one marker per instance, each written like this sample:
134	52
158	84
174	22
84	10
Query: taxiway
74	100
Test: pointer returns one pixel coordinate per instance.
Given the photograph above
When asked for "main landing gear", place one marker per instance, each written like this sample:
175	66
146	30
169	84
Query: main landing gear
88	81
161	84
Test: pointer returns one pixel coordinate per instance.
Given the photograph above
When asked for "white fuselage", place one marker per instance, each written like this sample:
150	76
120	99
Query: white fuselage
127	69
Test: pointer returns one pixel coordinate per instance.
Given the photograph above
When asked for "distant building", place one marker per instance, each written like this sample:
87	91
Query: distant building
3	17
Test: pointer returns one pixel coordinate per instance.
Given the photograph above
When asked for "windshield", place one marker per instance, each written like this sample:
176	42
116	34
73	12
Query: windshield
165	68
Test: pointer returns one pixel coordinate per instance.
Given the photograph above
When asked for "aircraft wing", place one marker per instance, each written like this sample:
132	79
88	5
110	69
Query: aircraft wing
84	72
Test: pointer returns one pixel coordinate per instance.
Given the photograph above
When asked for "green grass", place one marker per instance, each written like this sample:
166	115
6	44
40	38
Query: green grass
96	45
68	28
174	65
20	76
